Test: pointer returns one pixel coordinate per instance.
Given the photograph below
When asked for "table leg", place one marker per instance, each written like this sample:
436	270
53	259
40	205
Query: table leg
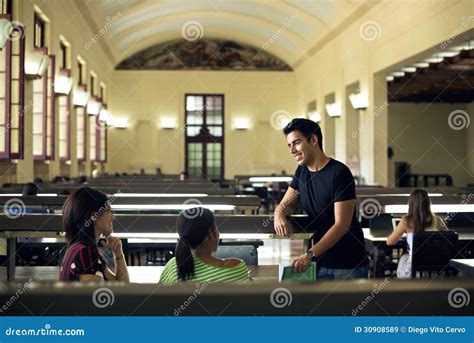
11	258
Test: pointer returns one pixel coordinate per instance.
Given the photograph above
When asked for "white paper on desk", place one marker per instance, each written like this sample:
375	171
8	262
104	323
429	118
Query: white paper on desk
281	267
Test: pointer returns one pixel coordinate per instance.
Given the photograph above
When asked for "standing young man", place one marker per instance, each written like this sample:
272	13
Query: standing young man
326	189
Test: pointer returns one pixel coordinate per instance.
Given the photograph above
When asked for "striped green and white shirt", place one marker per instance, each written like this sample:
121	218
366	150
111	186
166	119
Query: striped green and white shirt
204	272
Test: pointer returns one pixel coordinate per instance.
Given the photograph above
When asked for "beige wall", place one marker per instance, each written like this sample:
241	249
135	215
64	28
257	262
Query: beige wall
145	97
413	30
66	20
421	135
408	31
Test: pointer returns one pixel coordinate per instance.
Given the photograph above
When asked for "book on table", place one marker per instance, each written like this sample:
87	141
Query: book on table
289	274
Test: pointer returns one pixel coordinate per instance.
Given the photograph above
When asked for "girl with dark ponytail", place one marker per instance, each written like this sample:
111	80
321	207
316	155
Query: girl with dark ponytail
88	218
419	219
193	261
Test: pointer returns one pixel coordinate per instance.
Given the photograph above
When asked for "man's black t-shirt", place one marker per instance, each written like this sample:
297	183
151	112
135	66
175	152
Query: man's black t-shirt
318	193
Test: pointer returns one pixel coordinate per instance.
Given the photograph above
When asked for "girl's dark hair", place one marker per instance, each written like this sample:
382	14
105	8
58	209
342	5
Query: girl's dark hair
419	210
194	226
79	208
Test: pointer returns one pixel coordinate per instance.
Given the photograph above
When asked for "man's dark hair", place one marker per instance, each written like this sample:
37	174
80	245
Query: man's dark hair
307	127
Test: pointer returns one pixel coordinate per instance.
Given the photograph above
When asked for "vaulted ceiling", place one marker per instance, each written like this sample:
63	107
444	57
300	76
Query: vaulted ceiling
287	29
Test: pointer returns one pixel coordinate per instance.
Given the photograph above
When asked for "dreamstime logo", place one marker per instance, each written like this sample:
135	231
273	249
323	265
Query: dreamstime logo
17	33
193	208
280	119
14	208
281	297
101	210
192	30
370	30
283	28
22	288
103	297
109	22
458	297
462	27
378	287
370	208
458	120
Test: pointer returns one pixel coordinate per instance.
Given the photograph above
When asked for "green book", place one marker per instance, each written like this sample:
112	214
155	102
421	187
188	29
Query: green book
287	273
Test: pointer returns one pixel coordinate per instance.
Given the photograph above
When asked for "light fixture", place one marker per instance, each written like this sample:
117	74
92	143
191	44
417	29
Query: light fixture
398	74
159	195
6	29
168	123
241	123
359	101
270	179
94	106
63	83
421	65
104	115
36	64
334	109
119	123
177	207
390	78
436	208
81	96
315	116
409	69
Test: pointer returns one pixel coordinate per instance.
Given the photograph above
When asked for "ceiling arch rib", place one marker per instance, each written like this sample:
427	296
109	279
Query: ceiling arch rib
228	27
321	9
303	27
228	24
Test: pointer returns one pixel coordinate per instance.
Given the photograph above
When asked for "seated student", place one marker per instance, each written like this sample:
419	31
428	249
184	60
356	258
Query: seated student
198	239
86	217
29	188
419	219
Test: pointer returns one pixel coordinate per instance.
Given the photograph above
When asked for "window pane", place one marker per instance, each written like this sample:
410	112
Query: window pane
14	142
214	118
215	131
2	59
194	103
2	83
192	131
62	149
194	118
37	123
37	145
15	92
2	139
37	103
15	67
2	112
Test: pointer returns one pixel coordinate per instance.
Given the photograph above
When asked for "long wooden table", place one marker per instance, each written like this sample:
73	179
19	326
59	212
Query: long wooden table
377	244
144	226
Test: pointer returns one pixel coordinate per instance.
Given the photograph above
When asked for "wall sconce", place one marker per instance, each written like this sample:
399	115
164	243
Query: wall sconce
359	101
63	83
6	29
315	116
81	96
168	123
334	109
36	64
119	123
241	124
94	106
104	115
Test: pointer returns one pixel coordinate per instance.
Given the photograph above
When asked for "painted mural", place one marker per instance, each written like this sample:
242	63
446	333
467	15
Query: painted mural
204	54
